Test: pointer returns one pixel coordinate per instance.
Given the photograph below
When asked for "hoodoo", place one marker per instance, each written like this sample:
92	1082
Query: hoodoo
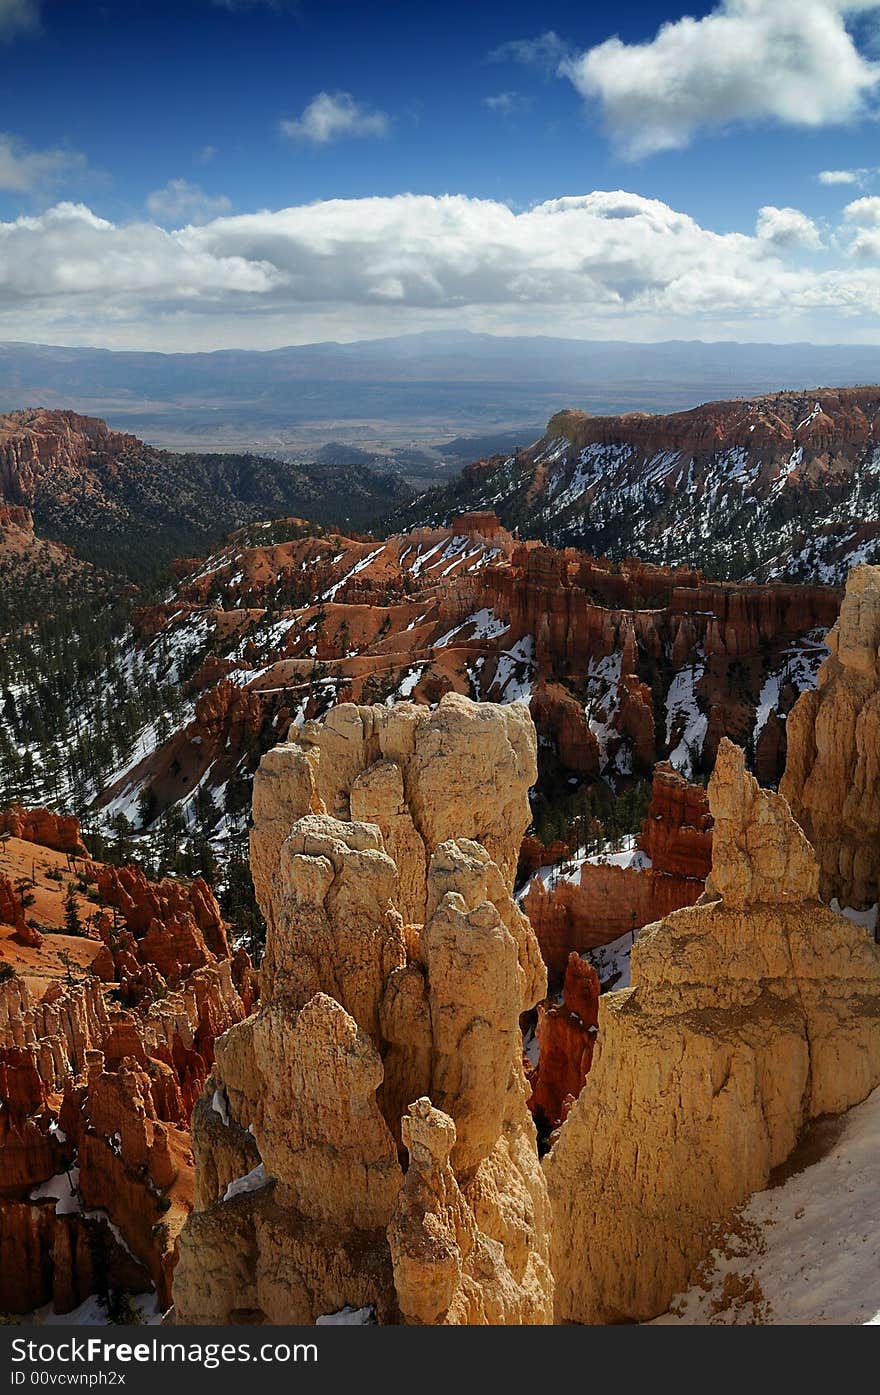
750	1014
364	1141
832	776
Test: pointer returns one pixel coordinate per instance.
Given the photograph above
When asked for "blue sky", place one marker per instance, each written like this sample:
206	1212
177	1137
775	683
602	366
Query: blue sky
144	144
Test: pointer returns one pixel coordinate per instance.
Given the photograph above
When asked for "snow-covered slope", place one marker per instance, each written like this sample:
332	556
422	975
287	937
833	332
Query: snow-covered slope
808	1250
786	486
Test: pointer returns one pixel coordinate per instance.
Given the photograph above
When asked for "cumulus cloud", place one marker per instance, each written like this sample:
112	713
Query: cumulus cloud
864	211
18	17
69	252
410	261
334	116
864	215
26	171
787	227
792	61
182	202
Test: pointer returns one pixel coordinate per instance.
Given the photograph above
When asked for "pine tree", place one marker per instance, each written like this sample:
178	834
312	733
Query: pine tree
72	922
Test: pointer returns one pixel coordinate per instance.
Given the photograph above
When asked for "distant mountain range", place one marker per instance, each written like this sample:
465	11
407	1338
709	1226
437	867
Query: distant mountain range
407	394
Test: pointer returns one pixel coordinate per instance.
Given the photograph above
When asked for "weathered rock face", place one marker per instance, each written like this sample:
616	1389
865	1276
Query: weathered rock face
59	1258
832	777
462	771
366	1010
607	901
785	480
745	1020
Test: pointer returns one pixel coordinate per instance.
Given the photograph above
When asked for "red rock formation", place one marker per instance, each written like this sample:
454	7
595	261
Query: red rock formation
58	1258
846	421
566	1034
129	1080
11	909
677	832
41	443
45	828
560	716
482	523
172	926
534	854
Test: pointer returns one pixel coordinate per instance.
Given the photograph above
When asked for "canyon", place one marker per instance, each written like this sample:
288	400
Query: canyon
517	964
621	666
124	505
413	1158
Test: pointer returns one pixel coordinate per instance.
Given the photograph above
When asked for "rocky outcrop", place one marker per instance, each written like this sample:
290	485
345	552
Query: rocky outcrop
463	771
45	828
62	1259
604	901
11	909
171	927
382	1077
58	1028
832	777
677	832
746	1019
128	1159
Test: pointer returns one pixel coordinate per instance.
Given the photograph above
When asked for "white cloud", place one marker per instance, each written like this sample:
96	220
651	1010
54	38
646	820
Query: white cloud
865	212
598	264
792	61
25	171
68	252
865	215
545	52
505	102
843	176
18	17
787	227
335	116
182	202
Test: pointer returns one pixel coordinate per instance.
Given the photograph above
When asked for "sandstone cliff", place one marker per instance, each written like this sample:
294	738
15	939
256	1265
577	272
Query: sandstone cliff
750	1014
381	1082
43	827
832	777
